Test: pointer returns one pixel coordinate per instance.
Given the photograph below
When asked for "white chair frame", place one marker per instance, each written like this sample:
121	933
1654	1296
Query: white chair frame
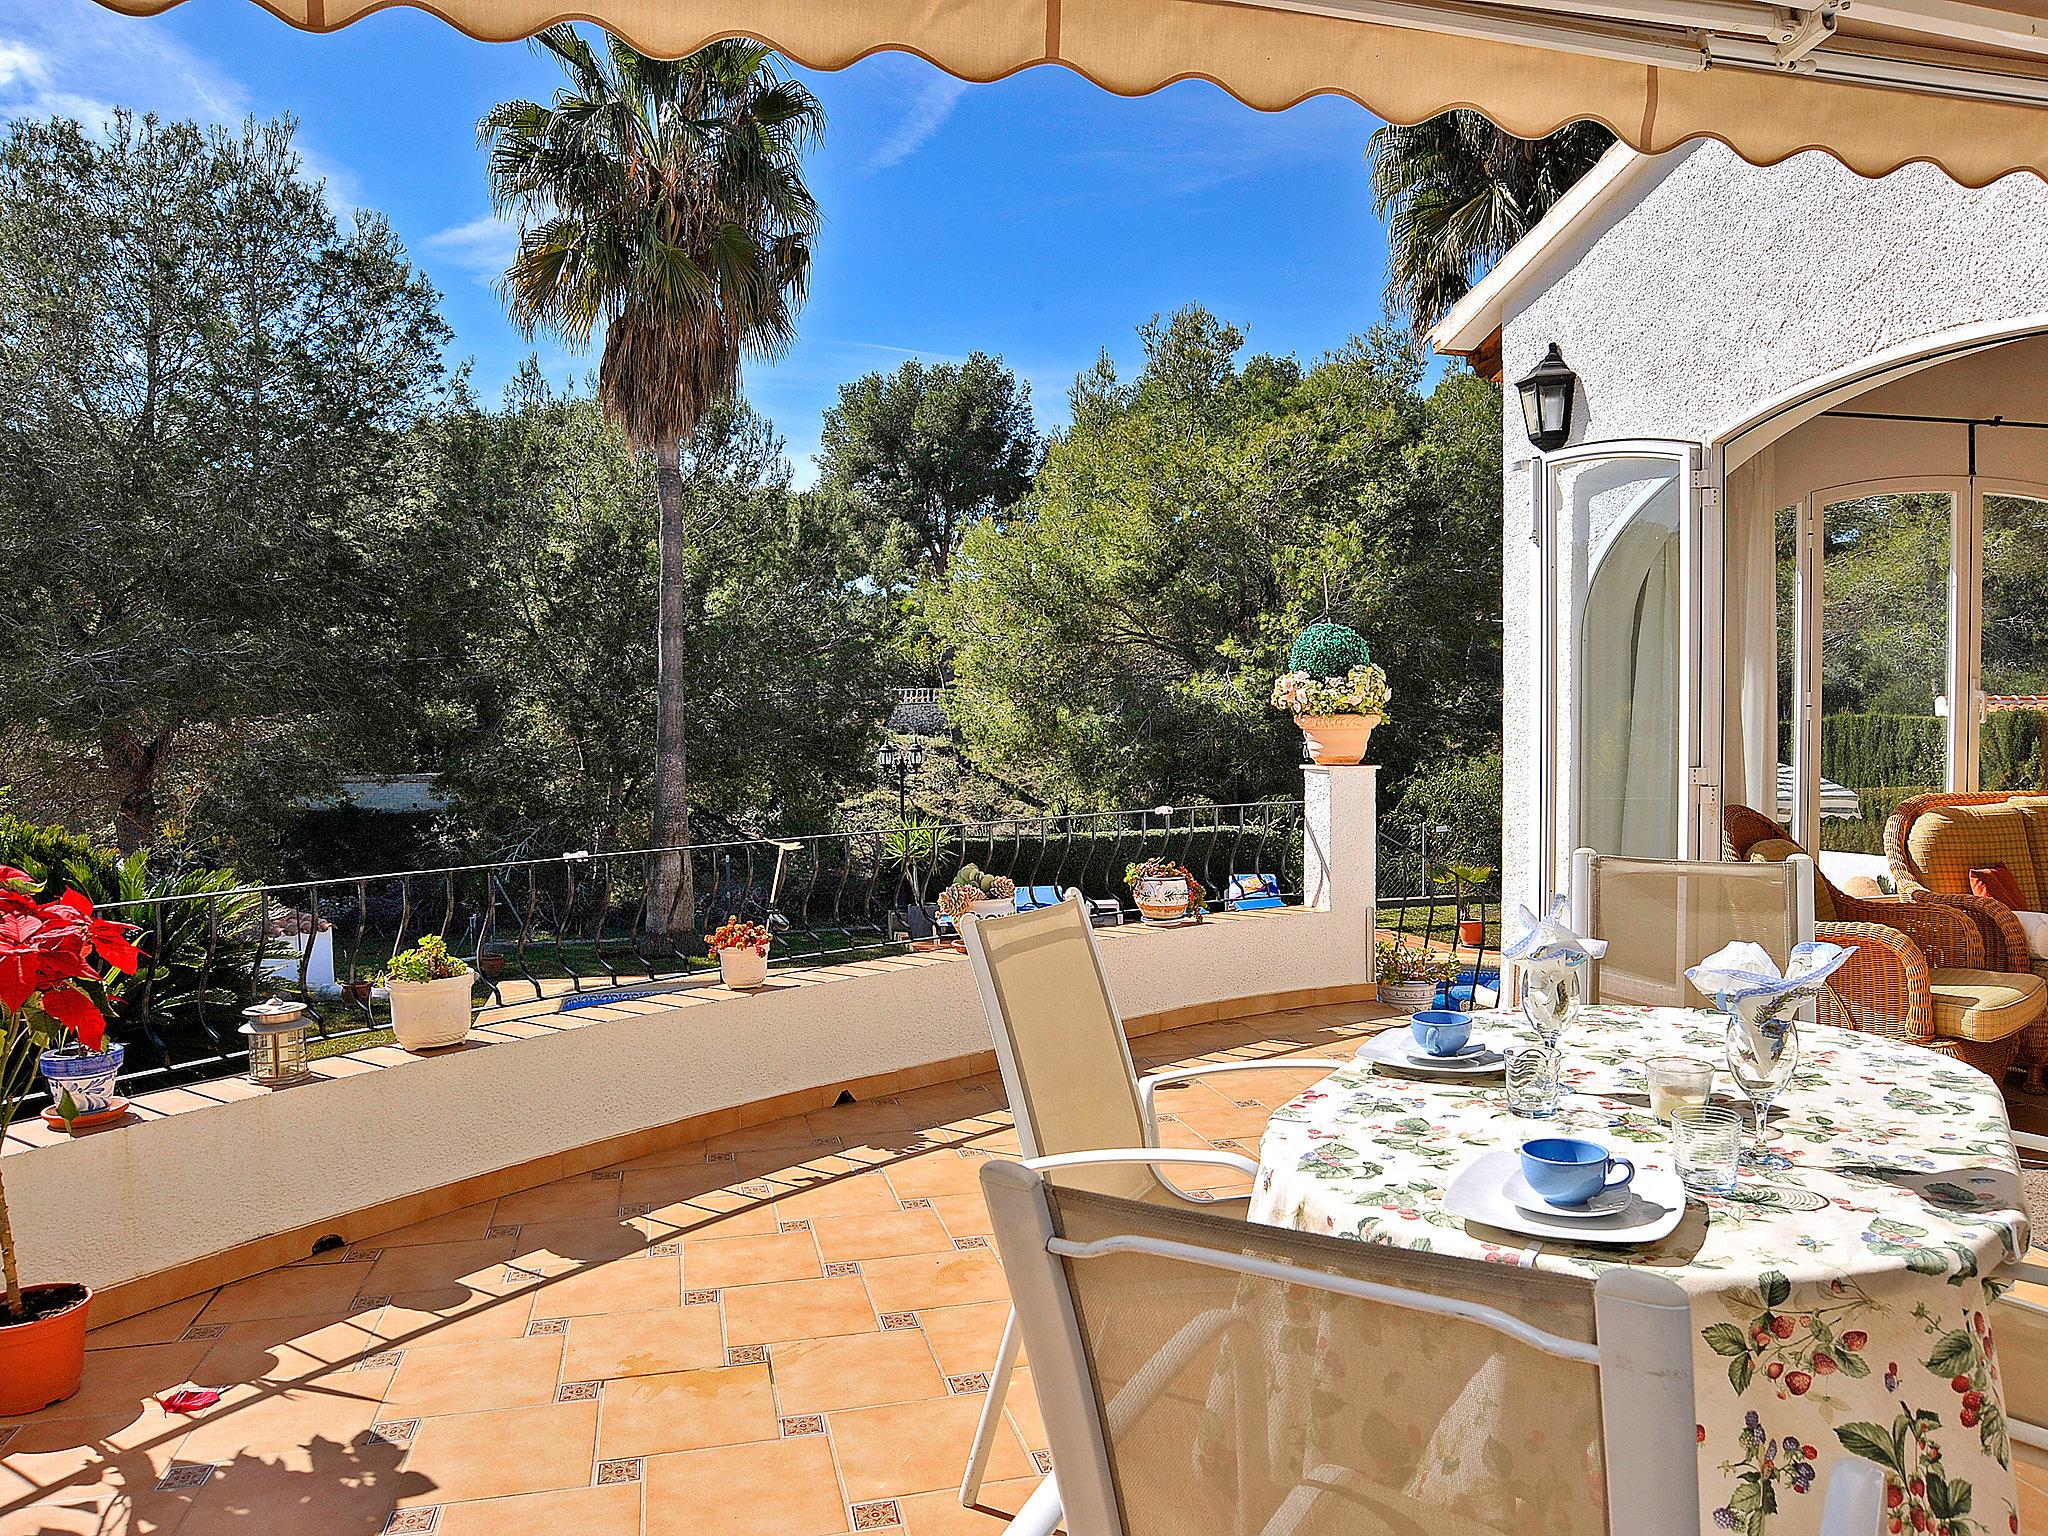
1146	1089
1644	1358
2035	1435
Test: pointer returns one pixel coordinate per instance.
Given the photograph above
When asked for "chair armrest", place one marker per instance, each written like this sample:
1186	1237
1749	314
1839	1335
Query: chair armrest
1884	986
1946	936
2005	941
1153	1157
2027	1141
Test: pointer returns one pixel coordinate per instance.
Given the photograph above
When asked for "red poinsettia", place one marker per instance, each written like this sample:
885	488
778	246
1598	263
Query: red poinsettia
46	955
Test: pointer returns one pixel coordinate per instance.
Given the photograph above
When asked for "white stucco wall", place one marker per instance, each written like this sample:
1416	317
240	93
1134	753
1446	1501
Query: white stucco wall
1711	287
140	1200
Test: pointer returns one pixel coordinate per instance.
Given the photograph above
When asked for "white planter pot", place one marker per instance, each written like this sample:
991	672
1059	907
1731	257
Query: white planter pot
1411	995
743	970
995	906
427	1015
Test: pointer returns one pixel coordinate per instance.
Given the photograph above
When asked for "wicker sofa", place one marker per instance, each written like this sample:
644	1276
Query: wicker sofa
1919	971
1932	842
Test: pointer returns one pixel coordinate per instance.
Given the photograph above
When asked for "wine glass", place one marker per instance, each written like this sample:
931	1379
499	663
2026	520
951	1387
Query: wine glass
1550	998
1763	1050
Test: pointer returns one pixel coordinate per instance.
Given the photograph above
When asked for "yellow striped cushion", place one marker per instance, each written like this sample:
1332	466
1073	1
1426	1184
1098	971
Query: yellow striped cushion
1984	1005
1948	842
2034	812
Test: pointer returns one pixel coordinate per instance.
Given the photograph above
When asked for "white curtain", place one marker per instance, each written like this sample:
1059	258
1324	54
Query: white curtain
1749	720
1629	648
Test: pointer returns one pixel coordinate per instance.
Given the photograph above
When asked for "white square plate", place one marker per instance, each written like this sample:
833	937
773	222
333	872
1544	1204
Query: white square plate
1396	1048
1479	1192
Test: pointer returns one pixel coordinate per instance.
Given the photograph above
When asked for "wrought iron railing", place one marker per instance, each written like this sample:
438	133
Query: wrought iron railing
582	926
1424	899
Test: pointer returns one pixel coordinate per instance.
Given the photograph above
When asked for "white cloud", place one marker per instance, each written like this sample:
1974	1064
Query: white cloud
483	247
79	59
19	62
926	105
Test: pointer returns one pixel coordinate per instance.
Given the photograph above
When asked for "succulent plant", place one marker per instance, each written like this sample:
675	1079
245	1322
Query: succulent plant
1328	650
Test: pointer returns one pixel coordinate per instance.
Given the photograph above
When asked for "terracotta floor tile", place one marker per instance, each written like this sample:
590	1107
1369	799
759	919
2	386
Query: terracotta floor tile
575	1199
560	1247
795	1309
463	1378
855	1370
935	1280
906	1448
319	1290
161	1326
450	1267
725	1261
296	1352
627	1285
514	1450
1022	1407
466	1225
269	1422
966	1339
611	1511
964	1215
686	1411
662	1186
776	1135
643	1343
430	1317
718	1215
768	1488
801	1198
844	1239
321	1484
122	1381
87	1462
936	1173
941	1513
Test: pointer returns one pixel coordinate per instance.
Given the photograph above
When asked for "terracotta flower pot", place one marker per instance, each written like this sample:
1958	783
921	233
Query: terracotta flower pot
743	969
1337	739
41	1361
1472	931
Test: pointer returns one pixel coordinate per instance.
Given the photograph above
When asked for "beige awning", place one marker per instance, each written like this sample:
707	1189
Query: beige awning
1878	83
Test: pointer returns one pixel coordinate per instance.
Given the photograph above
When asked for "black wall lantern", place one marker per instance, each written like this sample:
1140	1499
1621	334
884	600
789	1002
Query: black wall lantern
1547	401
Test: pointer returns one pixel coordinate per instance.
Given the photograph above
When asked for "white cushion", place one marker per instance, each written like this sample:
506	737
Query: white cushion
2036	924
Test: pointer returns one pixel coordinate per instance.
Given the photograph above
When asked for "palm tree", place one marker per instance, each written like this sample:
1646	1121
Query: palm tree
664	199
1457	192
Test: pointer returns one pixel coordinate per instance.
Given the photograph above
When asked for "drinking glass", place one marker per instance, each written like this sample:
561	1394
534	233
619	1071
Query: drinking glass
1706	1143
1550	998
1532	1084
1676	1081
1761	1056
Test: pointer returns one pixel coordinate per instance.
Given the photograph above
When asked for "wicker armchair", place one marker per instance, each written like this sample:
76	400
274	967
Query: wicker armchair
2005	941
1918	972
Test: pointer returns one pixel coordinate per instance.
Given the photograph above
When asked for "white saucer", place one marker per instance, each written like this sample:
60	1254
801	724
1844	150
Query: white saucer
1652	1207
1396	1048
1607	1202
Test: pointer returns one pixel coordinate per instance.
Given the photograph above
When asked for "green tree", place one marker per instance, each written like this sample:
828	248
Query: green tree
207	534
1116	637
1456	192
927	451
664	200
784	662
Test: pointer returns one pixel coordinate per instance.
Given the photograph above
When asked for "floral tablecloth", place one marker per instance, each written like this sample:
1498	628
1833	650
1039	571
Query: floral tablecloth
1839	1296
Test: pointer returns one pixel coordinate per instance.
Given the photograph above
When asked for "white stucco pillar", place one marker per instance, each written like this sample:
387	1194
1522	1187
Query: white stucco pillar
1340	847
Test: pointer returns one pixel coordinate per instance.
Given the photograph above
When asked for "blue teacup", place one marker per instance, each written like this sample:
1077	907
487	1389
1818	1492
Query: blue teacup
1441	1031
1567	1171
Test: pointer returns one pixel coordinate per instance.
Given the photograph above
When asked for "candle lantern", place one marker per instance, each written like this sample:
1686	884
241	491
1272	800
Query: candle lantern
277	1042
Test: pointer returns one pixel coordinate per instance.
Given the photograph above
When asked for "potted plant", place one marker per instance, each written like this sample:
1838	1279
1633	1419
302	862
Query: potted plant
1166	893
357	990
1464	879
1411	975
982	894
742	950
430	996
51	998
1334	692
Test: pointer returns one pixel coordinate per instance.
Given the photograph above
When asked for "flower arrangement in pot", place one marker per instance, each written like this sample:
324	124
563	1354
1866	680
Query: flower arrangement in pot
1334	692
1166	893
1411	975
430	996
982	894
51	997
1464	879
742	950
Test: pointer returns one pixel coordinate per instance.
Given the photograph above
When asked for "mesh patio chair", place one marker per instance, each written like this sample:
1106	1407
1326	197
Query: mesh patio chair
1201	1374
1067	1068
1919	970
1659	916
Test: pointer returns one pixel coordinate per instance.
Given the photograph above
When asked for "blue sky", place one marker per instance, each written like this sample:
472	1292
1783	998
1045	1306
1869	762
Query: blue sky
1039	218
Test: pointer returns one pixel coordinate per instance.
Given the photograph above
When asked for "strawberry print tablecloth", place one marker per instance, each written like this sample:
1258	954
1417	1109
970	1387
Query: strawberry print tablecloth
1840	1295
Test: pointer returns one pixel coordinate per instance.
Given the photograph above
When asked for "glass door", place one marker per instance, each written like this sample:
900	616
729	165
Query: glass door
1625	572
2012	636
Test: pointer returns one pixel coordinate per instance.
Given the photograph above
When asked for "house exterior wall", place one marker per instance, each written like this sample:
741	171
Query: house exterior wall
1709	288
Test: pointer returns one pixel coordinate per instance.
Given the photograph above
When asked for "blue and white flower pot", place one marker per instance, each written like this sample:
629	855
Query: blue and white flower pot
88	1076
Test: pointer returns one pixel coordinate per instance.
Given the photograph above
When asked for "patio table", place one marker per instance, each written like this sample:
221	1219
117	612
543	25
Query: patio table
1839	1295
